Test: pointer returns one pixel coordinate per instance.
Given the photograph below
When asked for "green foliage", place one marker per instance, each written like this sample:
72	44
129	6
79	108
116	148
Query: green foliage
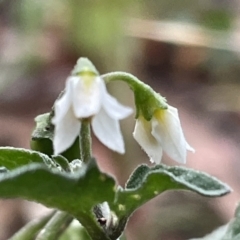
230	231
78	192
74	193
43	134
233	231
146	183
11	158
76	188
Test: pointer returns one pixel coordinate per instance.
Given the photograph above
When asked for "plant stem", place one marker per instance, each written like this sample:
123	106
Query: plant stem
92	227
29	231
123	76
85	141
57	224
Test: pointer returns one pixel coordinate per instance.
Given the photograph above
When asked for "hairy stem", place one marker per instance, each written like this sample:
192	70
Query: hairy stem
85	141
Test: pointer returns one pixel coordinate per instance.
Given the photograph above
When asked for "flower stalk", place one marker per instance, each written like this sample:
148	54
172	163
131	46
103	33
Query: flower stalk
85	141
146	99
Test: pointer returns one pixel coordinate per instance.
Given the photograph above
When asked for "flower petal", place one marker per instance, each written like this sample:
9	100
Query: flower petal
87	96
107	130
189	148
65	132
142	134
168	132
63	104
114	109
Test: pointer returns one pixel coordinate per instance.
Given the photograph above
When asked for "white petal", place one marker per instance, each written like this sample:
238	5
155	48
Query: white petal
189	148
87	96
107	130
65	132
114	109
142	134
63	104
168	132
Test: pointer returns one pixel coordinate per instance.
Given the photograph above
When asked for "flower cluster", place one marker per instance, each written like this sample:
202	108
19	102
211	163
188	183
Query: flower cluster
86	97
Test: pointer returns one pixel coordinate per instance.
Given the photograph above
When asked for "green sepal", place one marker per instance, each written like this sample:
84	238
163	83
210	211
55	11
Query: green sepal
84	66
147	101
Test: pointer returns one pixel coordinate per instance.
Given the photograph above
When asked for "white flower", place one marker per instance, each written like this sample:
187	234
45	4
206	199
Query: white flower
162	133
86	96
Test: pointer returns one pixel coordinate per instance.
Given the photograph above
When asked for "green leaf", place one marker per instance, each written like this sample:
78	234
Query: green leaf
233	231
230	231
44	128
74	193
146	183
42	135
12	158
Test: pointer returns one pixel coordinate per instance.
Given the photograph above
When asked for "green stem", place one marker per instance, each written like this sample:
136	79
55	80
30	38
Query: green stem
92	227
57	224
85	141
29	231
130	79
147	101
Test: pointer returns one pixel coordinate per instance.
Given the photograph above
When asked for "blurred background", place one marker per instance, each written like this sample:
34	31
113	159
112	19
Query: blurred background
189	51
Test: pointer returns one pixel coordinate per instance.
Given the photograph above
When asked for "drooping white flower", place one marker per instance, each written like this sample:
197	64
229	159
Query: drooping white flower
86	96
162	133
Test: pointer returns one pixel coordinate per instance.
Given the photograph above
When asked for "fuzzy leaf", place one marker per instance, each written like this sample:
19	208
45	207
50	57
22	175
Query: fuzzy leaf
74	193
11	158
233	231
146	183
